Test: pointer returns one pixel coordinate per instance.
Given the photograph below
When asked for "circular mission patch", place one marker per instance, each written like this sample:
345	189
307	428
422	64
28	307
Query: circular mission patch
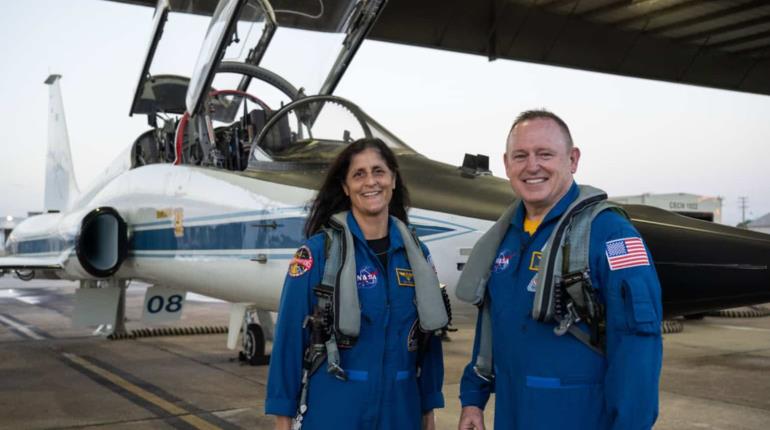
301	262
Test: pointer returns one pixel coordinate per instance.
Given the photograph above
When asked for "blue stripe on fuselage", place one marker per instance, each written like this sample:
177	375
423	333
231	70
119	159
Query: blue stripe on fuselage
36	246
276	233
256	234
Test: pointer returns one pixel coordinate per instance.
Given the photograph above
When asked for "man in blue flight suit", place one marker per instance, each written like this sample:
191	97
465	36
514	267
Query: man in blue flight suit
545	381
382	389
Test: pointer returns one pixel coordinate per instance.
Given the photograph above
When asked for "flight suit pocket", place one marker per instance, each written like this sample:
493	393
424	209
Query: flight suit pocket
550	403
326	394
641	317
405	408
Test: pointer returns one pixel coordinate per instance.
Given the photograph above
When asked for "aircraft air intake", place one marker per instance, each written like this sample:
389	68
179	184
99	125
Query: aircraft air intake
102	244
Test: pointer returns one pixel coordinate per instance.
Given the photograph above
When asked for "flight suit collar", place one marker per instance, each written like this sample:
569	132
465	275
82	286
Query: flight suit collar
555	213
396	241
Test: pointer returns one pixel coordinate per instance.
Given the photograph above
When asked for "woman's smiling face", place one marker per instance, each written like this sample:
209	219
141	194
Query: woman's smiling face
369	183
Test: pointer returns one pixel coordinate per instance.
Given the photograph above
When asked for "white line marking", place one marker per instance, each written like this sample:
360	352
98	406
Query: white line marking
9	293
20	328
735	327
30	300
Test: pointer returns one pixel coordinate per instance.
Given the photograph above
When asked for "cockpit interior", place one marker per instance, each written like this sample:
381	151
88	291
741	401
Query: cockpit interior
235	114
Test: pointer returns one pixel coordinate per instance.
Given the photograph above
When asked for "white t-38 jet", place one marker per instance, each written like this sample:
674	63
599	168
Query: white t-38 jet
212	198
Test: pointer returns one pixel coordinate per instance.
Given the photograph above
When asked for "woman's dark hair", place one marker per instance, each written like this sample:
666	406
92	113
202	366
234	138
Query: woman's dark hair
331	197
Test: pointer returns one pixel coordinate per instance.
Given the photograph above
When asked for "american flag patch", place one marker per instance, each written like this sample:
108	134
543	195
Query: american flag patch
625	253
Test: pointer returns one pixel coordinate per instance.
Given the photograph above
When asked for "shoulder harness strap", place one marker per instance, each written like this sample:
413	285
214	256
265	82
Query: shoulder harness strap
338	293
570	239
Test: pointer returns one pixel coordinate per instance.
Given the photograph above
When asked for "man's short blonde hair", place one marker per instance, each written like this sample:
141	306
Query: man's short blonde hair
544	114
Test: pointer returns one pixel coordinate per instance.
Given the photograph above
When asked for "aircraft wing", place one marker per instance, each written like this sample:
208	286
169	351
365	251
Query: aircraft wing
718	44
36	263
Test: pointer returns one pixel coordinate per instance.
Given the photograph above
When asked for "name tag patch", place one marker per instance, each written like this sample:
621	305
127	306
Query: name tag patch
405	277
534	261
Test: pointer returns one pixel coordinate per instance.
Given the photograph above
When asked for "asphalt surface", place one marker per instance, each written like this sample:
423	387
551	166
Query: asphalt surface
716	373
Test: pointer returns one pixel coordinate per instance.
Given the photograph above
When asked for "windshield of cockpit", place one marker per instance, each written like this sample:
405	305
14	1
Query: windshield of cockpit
284	121
315	129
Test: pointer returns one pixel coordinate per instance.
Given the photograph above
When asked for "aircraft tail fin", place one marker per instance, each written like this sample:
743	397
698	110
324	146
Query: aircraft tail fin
60	185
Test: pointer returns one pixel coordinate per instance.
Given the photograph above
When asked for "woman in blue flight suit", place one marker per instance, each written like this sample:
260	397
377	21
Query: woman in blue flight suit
383	388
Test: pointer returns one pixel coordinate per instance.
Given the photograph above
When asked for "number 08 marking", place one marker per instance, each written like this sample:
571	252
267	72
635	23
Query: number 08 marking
157	303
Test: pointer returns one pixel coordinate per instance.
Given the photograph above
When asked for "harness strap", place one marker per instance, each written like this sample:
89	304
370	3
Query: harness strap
431	311
566	297
340	274
472	284
337	317
576	282
484	365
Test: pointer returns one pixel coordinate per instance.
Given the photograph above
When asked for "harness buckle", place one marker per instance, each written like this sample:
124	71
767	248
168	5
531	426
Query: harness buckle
571	317
337	371
487	377
571	278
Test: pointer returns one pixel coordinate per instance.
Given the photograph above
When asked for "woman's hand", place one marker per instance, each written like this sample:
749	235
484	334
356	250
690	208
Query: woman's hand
428	421
282	423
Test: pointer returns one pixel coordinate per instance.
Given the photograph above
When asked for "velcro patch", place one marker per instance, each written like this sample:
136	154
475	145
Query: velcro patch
405	277
301	262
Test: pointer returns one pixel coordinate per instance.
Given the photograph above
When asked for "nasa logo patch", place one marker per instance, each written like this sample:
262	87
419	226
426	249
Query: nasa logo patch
502	261
301	262
366	277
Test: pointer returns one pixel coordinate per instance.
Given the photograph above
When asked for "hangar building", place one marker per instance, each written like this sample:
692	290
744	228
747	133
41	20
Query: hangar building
692	205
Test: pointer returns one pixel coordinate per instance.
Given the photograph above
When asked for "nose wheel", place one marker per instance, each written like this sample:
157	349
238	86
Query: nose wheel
253	346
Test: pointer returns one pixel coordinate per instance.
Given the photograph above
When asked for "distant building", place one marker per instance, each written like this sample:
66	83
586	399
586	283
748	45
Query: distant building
761	224
692	205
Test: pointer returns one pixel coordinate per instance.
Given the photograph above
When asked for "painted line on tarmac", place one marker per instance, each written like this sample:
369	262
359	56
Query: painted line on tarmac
22	329
736	327
150	397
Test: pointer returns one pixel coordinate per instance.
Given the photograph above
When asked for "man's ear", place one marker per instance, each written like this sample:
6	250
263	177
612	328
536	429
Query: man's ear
574	158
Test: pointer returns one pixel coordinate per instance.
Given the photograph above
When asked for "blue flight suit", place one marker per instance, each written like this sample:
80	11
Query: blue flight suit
545	381
382	391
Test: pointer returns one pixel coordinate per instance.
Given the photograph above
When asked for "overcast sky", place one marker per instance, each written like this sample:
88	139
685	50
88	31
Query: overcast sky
636	136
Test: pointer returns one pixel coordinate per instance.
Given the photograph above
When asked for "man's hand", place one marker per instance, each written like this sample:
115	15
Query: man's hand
428	421
282	423
471	418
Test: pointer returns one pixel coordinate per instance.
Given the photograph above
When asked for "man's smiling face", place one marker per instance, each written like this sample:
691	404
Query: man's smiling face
539	164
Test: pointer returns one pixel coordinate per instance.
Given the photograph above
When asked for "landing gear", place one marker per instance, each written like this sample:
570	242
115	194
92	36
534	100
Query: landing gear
257	326
254	346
